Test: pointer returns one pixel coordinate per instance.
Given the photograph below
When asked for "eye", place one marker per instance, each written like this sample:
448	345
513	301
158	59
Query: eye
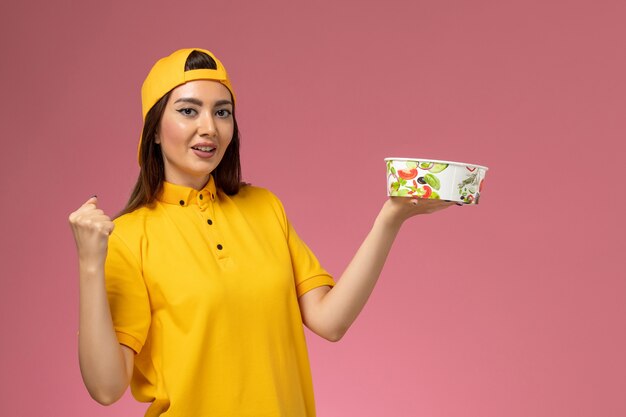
223	113
187	111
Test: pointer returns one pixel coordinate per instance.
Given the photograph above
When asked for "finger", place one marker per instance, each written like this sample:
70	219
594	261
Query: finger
435	205
88	217
109	228
92	200
436	202
105	227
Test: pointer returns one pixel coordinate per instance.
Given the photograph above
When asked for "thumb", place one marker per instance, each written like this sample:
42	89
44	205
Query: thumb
92	200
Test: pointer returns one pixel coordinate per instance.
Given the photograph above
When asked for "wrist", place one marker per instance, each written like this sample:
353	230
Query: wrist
90	267
389	219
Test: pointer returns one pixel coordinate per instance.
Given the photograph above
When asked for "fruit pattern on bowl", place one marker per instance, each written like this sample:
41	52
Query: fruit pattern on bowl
471	187
420	179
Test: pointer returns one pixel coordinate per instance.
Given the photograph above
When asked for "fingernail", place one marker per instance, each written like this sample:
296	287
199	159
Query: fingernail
95	195
460	204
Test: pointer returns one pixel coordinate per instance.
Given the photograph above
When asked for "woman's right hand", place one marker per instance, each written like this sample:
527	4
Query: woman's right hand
106	366
91	229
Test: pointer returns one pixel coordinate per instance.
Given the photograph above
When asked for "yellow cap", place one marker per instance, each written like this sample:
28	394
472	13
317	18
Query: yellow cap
169	72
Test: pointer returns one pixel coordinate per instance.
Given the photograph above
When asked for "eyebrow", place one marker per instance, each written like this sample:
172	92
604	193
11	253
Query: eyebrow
199	102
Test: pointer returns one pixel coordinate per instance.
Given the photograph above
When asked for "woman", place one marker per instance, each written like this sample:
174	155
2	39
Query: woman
196	294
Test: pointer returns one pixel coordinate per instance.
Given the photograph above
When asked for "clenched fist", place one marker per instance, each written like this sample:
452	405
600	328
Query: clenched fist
91	229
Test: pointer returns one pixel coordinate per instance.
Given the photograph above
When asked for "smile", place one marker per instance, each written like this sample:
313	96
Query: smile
203	148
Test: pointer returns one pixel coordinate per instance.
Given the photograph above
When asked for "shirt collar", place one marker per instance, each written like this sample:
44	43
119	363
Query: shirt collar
184	196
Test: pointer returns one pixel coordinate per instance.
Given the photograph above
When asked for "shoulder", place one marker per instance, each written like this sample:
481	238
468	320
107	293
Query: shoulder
258	202
133	220
130	228
254	191
251	194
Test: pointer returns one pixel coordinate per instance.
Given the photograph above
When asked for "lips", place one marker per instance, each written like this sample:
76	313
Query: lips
204	147
204	150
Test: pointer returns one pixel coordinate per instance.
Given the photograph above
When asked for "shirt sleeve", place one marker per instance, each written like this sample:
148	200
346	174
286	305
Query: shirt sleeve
127	294
308	273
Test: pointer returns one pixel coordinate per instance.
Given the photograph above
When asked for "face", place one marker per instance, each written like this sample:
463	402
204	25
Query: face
196	128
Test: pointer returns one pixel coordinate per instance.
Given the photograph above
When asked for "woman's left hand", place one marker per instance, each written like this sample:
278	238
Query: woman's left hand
330	312
398	209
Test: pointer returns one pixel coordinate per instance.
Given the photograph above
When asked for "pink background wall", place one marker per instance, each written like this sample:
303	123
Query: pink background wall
516	307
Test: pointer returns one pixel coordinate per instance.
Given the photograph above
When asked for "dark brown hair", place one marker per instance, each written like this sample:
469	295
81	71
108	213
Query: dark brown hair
227	174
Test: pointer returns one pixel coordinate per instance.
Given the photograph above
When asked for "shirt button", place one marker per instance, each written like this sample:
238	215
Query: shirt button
182	202
219	247
209	221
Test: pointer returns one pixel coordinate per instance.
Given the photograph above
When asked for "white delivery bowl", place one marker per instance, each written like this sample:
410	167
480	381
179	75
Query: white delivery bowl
434	179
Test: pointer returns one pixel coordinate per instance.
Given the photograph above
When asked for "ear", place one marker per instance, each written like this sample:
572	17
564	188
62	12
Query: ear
157	138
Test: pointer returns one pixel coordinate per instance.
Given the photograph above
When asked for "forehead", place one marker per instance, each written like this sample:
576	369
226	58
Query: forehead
204	90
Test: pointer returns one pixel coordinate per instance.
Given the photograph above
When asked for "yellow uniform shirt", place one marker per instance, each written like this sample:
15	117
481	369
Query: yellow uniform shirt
204	288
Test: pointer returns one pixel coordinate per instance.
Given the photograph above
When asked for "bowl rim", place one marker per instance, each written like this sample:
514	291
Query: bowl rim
437	161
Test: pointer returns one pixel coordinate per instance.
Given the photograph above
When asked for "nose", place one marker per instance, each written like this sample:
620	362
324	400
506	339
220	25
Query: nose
206	125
